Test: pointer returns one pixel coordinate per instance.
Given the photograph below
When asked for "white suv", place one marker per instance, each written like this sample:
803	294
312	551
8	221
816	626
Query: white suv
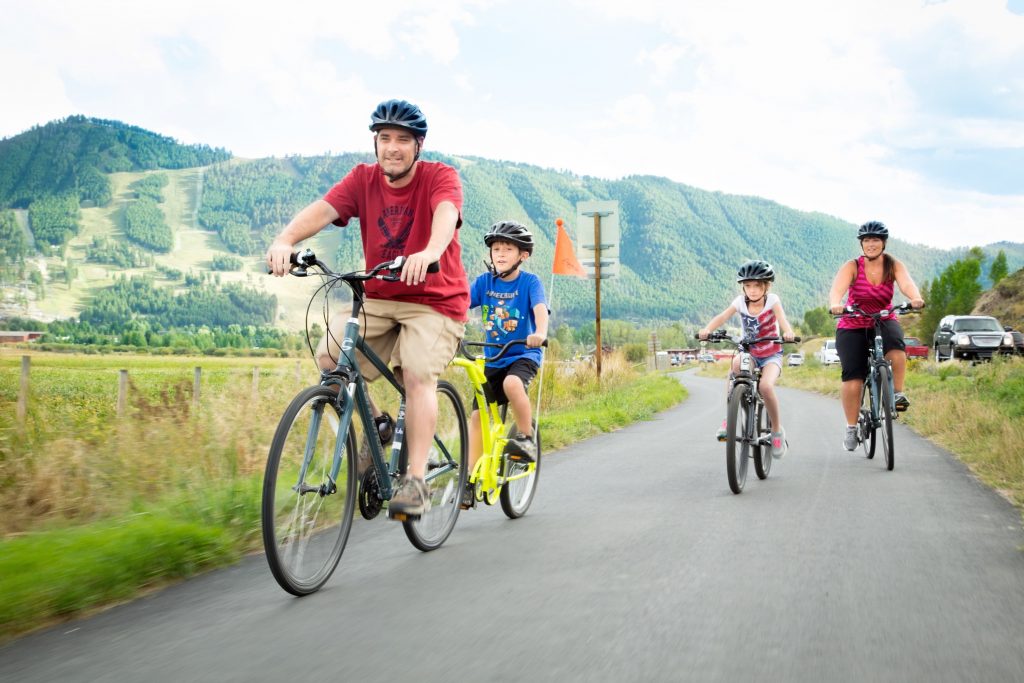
828	354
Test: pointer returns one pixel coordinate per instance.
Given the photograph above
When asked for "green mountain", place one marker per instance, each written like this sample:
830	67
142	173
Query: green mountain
679	248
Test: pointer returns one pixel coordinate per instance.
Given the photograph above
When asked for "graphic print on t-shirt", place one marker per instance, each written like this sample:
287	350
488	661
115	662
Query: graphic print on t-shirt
395	224
501	319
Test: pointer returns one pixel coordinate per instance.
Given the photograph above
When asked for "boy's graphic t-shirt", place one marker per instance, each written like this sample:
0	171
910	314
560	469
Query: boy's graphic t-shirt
507	313
763	324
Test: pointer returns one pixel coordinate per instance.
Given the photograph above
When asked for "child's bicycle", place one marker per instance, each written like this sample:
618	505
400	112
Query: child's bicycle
310	487
748	428
495	476
878	396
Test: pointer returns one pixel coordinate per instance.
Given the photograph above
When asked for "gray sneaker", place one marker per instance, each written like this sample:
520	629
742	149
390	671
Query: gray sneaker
850	439
901	401
779	445
521	448
411	498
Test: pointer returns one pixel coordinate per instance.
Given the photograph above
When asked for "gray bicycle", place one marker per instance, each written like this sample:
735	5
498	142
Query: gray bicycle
311	485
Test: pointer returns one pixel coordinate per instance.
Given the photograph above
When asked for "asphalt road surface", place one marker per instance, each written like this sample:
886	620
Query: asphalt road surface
635	563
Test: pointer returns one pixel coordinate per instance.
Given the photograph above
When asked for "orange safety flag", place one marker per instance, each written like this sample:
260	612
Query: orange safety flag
565	262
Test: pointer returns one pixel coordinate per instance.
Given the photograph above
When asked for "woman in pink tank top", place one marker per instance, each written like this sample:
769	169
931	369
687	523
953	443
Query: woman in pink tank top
869	281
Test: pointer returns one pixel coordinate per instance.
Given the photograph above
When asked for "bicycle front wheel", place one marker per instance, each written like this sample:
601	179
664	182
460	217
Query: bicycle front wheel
865	423
762	451
737	443
307	511
520	481
446	472
886	411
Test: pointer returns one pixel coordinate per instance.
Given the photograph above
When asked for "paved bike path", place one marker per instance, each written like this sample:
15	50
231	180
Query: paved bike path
635	563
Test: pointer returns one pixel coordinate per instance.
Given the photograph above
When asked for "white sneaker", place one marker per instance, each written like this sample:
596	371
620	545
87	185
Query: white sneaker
779	445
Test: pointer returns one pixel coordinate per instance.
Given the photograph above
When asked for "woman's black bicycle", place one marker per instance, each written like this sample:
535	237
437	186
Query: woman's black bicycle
878	396
748	428
311	486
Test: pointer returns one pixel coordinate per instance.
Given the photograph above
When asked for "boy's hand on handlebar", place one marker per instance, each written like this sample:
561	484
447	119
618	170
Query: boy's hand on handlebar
279	258
535	340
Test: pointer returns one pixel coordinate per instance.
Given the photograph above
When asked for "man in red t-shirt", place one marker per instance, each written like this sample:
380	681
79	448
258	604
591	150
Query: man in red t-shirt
405	207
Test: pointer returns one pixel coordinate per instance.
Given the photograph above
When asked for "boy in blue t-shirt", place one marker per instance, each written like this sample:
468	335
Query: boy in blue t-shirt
514	307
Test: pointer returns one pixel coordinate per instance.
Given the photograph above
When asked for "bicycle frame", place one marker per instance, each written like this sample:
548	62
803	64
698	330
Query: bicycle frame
352	387
487	473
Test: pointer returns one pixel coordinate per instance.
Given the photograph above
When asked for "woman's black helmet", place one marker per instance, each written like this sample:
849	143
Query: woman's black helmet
510	231
873	229
399	114
755	270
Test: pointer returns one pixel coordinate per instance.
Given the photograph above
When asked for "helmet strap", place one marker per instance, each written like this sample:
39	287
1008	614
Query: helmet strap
501	275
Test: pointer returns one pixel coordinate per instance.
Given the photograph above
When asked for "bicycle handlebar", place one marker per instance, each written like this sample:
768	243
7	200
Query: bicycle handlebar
721	335
855	311
504	348
303	260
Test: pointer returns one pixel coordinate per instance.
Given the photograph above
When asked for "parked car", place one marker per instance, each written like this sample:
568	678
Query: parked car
828	354
970	337
706	358
675	359
796	358
915	349
689	358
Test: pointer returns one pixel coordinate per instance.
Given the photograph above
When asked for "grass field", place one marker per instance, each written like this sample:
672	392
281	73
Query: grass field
95	508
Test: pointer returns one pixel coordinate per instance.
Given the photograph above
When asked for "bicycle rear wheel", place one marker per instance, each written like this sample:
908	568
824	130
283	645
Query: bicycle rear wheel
865	424
517	494
886	411
307	516
737	445
762	452
446	472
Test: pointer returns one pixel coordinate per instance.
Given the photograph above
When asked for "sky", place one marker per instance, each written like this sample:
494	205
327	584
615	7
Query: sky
906	111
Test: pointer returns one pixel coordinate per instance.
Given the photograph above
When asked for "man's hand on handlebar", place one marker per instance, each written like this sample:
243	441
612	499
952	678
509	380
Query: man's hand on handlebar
279	258
414	270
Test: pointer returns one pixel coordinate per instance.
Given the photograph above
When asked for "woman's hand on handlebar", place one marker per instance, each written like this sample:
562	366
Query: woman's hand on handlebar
917	303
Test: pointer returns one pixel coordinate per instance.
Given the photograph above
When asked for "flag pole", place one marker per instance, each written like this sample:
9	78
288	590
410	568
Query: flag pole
543	351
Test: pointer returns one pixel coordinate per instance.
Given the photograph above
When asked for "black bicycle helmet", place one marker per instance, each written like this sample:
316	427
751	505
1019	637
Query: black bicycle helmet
873	229
510	231
399	114
755	270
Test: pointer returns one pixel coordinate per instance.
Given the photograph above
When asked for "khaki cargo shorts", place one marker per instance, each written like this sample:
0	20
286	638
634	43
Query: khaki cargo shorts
413	337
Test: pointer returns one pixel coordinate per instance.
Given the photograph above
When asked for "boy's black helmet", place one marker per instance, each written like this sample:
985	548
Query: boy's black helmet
873	229
755	270
510	231
399	114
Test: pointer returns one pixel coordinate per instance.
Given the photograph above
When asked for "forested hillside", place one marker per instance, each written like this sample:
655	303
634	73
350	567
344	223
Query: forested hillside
83	206
680	246
72	156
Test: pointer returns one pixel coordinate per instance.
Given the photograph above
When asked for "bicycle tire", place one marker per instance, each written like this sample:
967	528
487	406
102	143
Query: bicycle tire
446	475
886	410
735	422
305	530
762	454
517	495
866	423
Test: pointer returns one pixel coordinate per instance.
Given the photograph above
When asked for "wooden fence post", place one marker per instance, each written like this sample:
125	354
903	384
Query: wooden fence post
195	387
22	409
298	372
255	382
122	392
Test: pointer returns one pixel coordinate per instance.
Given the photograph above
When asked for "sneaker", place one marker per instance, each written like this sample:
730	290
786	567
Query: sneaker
521	448
779	445
411	498
902	402
720	434
468	501
850	438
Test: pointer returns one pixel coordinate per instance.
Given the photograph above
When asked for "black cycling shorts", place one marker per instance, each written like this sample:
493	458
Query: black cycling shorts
523	368
854	346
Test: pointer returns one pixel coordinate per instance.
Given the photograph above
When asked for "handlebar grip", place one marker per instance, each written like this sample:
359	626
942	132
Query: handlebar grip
434	267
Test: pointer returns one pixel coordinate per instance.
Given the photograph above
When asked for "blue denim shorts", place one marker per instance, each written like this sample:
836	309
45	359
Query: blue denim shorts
774	358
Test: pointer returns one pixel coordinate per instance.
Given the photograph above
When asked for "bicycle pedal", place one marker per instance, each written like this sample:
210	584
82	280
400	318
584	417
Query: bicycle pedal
402	516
